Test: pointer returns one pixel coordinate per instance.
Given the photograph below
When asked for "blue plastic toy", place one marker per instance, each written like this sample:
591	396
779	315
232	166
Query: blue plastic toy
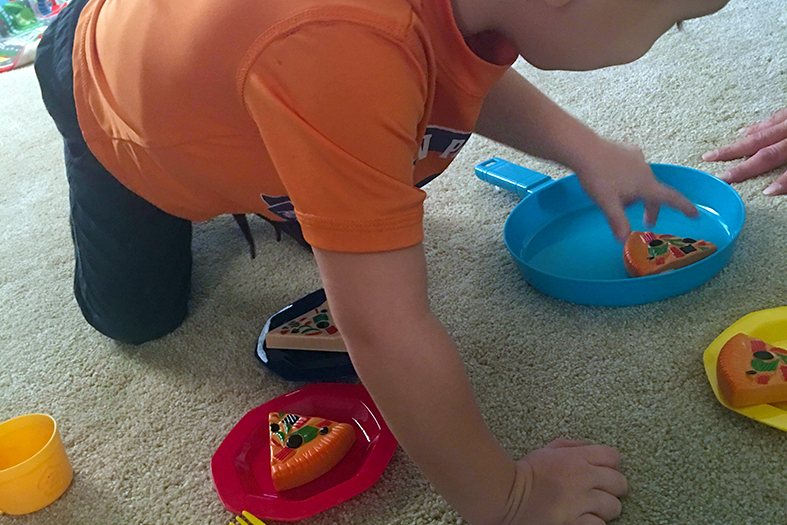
564	247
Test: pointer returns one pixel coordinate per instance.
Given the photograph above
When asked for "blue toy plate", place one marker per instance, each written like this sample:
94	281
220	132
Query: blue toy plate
564	247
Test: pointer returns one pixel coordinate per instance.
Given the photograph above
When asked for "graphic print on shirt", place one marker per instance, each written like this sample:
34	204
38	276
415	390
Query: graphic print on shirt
445	141
280	206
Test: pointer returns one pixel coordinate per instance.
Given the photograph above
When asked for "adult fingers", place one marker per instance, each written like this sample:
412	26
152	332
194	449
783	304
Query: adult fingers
765	160
777	187
779	116
749	145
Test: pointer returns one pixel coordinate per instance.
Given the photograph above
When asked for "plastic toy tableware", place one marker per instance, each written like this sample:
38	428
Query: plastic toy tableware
34	468
302	365
770	326
564	247
247	519
241	465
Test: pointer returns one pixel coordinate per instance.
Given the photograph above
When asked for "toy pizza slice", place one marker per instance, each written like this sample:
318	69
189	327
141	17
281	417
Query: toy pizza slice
313	330
750	372
303	448
648	253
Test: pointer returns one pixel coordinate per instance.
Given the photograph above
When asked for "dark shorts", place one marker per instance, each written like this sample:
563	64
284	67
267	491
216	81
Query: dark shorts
133	261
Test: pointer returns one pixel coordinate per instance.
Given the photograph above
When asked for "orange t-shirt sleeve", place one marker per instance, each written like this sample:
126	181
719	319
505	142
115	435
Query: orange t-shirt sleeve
340	107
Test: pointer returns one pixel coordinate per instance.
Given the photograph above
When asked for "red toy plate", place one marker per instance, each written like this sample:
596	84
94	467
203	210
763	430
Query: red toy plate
241	465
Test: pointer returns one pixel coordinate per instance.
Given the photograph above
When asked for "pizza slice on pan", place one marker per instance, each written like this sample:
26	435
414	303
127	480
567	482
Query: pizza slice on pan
648	253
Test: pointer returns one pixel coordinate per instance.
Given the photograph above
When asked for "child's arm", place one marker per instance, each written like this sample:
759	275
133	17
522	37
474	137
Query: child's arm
517	114
414	373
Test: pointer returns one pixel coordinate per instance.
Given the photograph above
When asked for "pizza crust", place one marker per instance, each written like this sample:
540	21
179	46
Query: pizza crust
303	448
314	330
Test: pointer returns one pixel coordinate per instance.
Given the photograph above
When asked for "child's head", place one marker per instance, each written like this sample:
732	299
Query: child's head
582	34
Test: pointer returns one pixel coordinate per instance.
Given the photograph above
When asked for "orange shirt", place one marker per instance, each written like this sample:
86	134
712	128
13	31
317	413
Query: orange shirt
328	111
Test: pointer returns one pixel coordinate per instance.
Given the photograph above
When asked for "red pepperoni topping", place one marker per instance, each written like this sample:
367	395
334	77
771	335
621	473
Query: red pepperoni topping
757	345
783	370
676	252
659	261
648	236
763	380
331	330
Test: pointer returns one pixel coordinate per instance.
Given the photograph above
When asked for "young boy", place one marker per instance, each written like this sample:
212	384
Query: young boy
337	110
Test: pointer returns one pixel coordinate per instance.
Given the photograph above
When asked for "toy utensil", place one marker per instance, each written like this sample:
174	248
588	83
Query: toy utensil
253	520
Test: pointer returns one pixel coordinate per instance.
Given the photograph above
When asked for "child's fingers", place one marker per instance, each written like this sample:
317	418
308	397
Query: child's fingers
564	443
610	480
588	519
616	217
677	201
651	212
602	456
604	505
761	162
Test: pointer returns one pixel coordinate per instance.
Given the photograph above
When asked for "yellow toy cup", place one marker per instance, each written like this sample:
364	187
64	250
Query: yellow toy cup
34	469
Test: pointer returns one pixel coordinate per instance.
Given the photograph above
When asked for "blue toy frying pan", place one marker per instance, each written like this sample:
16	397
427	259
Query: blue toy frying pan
564	247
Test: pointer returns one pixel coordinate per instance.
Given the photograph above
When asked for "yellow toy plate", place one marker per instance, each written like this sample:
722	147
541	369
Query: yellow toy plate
770	326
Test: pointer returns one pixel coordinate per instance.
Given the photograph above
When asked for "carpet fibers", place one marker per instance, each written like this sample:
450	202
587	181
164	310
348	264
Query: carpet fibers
140	424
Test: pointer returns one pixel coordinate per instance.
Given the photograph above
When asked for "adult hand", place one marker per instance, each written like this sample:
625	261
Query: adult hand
616	175
765	144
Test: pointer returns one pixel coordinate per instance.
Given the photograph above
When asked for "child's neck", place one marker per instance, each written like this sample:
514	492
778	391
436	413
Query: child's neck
484	41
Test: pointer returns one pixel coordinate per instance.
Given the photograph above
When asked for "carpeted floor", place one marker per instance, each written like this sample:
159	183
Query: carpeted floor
141	424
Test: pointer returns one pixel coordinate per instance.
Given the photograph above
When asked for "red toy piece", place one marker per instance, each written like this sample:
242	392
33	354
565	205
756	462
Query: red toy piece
241	466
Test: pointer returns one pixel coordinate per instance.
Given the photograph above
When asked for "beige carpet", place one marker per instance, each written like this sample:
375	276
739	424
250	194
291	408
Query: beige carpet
141	424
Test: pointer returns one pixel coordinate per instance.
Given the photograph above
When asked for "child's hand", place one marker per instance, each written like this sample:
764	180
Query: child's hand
570	483
766	145
617	175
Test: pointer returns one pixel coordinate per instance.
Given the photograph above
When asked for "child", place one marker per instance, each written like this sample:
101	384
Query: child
335	112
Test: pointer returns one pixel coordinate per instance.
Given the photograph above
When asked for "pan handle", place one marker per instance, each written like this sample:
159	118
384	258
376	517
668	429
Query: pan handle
510	176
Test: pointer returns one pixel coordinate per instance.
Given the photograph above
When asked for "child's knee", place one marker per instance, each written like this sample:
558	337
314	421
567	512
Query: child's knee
130	323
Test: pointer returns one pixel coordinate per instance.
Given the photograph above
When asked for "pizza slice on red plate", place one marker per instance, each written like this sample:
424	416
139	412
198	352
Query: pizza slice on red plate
303	448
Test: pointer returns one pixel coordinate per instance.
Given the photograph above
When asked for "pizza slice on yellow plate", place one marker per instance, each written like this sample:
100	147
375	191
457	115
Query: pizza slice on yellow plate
303	448
648	253
751	372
